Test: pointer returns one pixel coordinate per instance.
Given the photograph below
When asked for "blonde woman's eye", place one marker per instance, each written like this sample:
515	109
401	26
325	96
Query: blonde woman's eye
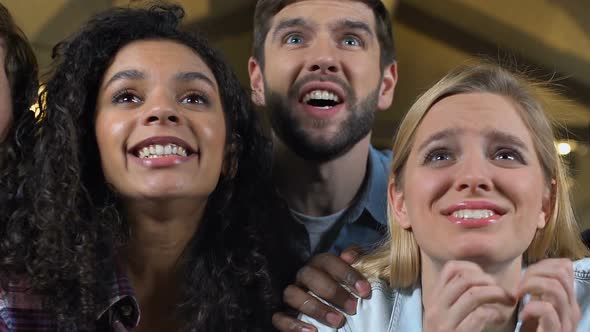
438	156
508	155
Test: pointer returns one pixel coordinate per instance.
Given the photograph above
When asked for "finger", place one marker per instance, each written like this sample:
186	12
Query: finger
541	314
555	268
286	323
483	317
551	291
312	307
351	254
479	296
462	282
452	268
340	271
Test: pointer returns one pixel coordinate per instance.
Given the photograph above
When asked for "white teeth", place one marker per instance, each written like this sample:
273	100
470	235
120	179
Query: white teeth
321	95
473	214
157	151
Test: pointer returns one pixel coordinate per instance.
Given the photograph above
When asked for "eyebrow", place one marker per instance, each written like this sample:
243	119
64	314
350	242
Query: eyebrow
130	74
290	23
493	135
194	76
133	74
353	25
503	137
441	135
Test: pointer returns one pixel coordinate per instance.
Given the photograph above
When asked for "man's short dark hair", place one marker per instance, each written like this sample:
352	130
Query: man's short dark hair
20	63
267	9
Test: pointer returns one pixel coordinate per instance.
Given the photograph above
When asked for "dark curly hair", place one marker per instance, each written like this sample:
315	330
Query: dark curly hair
20	66
69	234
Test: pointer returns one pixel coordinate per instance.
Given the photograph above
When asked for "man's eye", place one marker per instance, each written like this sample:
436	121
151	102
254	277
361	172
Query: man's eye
294	39
194	98
126	97
351	41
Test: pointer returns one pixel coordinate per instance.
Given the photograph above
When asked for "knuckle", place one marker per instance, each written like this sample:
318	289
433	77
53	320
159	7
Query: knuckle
303	275
289	294
330	291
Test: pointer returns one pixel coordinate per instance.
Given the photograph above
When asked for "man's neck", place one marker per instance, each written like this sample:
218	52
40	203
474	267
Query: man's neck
320	188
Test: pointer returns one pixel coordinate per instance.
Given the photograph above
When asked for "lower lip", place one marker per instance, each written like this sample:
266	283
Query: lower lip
322	113
475	223
163	162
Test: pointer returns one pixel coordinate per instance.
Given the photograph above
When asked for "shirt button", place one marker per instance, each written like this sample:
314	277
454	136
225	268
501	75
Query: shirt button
126	310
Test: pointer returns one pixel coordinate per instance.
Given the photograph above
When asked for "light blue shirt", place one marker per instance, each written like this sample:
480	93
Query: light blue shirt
394	310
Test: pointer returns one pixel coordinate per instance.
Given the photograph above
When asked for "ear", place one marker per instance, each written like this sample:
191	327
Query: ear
547	204
256	82
397	205
387	89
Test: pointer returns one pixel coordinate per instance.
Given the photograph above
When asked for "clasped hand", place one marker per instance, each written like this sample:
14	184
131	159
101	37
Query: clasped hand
465	298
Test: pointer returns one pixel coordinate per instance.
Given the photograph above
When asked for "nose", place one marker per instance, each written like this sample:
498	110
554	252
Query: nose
323	58
474	175
161	111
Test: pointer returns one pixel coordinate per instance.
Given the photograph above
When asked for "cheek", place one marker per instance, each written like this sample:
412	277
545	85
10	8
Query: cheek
213	134
110	132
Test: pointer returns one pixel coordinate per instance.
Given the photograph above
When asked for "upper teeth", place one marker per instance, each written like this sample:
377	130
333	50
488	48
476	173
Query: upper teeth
321	94
473	214
155	151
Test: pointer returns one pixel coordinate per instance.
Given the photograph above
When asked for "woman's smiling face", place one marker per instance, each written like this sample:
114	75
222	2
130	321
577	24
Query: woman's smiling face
160	126
472	187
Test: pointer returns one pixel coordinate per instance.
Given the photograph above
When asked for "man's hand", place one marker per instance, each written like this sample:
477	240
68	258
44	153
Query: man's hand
324	275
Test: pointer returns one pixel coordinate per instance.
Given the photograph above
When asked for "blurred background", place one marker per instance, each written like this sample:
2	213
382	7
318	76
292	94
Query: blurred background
550	38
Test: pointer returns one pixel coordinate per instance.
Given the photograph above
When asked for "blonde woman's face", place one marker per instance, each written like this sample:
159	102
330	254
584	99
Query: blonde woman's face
473	186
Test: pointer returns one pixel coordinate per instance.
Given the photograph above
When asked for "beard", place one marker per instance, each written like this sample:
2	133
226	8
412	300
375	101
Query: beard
291	130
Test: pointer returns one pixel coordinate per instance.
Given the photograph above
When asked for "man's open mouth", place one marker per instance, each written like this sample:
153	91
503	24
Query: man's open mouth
321	99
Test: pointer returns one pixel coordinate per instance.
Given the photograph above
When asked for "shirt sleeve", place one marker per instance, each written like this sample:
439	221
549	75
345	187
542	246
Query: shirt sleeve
3	327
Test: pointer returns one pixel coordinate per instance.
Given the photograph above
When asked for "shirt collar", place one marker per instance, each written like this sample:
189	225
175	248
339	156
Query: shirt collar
373	195
120	303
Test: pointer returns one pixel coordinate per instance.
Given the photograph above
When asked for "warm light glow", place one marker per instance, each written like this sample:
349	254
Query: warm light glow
564	148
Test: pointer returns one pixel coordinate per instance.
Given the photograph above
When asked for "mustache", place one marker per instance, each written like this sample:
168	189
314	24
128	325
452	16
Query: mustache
293	92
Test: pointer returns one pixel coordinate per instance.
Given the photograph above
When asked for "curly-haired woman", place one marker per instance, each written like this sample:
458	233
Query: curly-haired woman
150	191
18	91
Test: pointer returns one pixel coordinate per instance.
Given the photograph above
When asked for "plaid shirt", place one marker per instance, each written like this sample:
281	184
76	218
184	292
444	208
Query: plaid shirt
22	311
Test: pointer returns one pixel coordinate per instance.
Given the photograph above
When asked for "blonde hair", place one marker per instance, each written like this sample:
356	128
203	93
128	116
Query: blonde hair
398	260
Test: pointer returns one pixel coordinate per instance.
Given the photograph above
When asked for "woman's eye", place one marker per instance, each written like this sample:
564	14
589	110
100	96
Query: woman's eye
294	39
351	41
126	97
508	155
438	156
194	98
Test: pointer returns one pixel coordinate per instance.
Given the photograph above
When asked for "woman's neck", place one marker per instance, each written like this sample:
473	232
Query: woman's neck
159	234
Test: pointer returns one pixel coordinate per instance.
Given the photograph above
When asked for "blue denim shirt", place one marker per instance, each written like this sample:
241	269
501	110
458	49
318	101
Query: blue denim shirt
364	223
393	310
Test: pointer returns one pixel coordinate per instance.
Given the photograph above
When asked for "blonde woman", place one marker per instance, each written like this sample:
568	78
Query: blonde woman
482	233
